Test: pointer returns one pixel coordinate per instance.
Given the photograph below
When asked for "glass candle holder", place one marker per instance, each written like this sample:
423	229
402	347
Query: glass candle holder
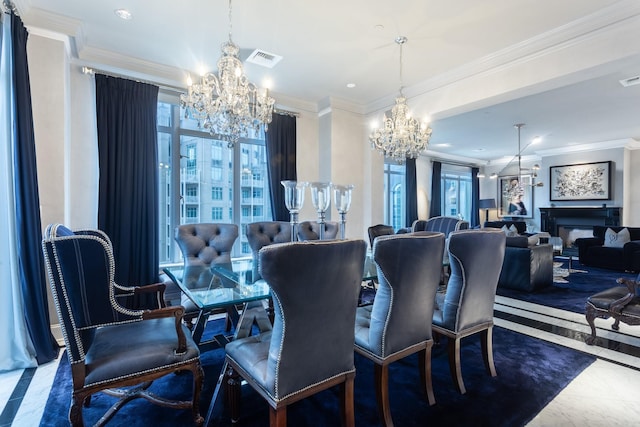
293	200
342	202
321	199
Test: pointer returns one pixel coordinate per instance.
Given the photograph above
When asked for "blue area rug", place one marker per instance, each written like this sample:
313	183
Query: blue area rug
531	372
570	292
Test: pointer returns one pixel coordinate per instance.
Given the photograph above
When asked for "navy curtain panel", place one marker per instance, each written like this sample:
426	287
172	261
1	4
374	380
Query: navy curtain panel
128	183
475	198
411	187
436	190
31	261
280	140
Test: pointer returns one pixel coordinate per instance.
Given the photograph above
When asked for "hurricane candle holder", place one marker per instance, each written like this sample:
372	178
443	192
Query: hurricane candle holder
342	201
321	199
293	200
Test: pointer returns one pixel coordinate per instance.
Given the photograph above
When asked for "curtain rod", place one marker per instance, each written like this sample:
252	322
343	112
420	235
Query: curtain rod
92	71
286	112
453	162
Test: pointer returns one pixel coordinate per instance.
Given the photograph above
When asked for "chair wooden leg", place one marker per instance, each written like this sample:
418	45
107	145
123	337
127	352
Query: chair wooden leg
346	403
591	317
75	410
486	338
453	348
233	390
278	417
198	375
424	357
381	373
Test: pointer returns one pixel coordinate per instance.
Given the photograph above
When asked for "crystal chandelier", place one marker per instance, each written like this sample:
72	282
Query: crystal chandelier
401	136
228	105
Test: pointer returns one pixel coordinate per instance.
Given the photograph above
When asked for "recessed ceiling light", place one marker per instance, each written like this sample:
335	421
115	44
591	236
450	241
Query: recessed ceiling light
123	14
351	85
478	149
379	27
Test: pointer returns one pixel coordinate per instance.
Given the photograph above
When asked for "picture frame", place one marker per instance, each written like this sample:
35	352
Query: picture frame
515	194
581	181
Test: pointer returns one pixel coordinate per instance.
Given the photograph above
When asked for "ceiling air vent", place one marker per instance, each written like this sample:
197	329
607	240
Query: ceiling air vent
263	58
630	81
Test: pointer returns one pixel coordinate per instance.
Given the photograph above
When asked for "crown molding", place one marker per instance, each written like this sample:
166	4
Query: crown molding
629	143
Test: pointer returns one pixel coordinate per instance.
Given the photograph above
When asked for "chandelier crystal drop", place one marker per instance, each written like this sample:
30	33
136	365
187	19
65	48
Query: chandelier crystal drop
228	105
401	137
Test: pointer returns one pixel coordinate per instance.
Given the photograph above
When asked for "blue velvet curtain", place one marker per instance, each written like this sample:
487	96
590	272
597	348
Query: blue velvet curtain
436	190
280	142
411	187
128	184
31	261
475	198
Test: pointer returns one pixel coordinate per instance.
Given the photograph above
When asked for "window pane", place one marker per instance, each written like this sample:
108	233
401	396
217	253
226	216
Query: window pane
164	196
254	202
394	194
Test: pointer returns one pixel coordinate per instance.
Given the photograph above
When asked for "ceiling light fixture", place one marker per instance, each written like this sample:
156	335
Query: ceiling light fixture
401	136
123	14
533	170
228	105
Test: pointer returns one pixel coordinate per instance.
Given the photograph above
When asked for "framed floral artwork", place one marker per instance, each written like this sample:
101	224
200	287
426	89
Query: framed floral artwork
516	196
583	181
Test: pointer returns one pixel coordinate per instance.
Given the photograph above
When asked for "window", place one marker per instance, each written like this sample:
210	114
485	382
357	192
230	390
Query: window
456	191
216	214
216	193
191	162
394	194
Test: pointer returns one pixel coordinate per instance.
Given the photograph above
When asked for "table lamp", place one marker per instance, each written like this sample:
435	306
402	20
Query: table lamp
487	204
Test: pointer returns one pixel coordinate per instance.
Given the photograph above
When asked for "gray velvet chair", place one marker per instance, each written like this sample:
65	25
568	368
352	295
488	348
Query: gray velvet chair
261	234
378	230
309	230
109	345
442	224
467	308
203	244
399	321
310	347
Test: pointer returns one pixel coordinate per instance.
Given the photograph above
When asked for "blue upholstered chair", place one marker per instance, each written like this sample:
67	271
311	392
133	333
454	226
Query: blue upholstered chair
442	224
309	230
108	344
467	307
315	288
265	233
378	230
399	321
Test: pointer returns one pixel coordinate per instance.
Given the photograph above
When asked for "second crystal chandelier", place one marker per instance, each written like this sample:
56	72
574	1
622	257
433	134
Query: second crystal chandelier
229	106
401	137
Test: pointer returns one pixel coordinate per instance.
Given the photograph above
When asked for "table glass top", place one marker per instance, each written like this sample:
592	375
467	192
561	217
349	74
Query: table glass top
216	286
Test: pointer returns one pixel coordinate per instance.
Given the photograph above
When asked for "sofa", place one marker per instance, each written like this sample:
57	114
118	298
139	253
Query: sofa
621	256
528	264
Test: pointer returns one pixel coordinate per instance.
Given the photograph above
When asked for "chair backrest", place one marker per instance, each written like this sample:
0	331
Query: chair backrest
378	230
442	224
206	243
261	234
521	226
409	270
81	272
476	261
309	230
315	288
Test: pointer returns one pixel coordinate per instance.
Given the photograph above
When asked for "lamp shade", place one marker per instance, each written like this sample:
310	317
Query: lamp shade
487	203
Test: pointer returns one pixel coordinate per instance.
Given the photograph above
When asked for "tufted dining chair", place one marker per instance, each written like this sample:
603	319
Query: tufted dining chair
378	230
310	348
108	345
309	230
265	233
203	244
399	321
467	306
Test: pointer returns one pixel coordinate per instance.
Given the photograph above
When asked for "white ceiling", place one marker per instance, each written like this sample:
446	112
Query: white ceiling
567	95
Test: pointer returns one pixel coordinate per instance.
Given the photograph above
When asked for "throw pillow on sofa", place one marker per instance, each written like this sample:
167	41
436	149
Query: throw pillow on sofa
511	231
616	240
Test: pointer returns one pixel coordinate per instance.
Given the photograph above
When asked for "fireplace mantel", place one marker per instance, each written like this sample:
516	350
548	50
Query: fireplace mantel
552	218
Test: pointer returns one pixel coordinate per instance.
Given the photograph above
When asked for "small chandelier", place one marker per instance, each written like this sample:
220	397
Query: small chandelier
516	189
229	106
401	136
